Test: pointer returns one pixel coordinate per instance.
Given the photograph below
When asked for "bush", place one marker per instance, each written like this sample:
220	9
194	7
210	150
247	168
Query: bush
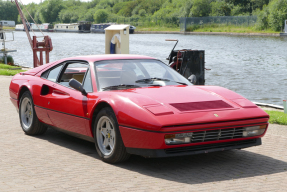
200	8
101	16
192	28
220	8
262	18
278	14
10	60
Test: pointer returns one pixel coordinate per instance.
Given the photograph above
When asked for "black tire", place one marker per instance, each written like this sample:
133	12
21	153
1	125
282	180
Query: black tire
118	154
35	127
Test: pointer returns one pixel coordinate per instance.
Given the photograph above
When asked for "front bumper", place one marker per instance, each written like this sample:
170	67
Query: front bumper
197	149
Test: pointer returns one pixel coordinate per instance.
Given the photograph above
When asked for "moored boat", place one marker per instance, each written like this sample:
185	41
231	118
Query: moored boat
46	27
84	27
19	27
81	27
100	28
67	27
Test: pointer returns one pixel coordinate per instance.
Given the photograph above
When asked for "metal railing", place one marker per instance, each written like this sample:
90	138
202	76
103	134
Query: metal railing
192	23
146	21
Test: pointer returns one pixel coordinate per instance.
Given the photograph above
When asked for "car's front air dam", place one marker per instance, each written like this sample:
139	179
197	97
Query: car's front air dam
193	150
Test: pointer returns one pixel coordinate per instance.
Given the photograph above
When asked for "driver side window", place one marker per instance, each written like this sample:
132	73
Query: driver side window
75	71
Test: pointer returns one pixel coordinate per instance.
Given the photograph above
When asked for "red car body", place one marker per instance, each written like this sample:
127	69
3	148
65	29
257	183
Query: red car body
145	115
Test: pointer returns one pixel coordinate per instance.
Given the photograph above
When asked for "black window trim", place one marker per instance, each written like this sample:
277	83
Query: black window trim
89	69
65	65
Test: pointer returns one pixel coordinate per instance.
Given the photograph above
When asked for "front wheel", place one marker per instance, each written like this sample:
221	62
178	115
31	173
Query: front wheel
28	118
108	141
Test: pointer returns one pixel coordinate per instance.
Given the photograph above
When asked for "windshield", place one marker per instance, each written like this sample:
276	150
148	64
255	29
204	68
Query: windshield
124	74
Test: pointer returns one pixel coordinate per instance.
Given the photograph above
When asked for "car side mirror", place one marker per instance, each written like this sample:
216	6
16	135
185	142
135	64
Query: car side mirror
192	79
78	86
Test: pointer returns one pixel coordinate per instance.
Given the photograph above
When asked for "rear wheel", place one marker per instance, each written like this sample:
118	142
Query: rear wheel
108	141
28	118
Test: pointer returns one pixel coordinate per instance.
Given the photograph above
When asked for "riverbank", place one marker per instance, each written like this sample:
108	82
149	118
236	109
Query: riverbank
209	30
208	33
8	28
8	70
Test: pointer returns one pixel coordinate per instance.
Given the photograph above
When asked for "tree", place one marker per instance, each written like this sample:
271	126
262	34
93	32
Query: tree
50	10
101	16
8	11
200	8
278	14
220	8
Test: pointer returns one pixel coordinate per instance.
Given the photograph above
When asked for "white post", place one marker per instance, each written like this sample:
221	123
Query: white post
285	106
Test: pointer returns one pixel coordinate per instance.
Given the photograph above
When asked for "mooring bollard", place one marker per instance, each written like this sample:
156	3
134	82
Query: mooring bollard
285	106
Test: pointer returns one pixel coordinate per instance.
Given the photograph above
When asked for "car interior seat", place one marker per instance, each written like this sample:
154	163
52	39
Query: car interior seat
128	75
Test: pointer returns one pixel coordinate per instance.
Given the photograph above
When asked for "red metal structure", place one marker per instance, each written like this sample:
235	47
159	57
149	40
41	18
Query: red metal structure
152	116
37	46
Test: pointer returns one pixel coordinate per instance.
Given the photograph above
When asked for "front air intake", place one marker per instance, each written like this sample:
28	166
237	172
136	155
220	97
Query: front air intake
202	105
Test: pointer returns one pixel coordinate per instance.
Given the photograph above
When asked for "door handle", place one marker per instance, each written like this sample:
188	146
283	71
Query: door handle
58	92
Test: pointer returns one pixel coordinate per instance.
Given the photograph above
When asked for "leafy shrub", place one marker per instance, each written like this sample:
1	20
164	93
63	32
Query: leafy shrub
10	60
278	14
101	16
192	28
200	8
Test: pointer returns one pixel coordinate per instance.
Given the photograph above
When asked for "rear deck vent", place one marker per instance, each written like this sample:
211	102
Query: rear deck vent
203	105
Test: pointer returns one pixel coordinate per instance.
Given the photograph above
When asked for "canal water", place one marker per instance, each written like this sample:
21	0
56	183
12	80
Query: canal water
255	66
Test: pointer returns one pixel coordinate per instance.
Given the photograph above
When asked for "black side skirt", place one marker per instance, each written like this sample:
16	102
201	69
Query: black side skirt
192	150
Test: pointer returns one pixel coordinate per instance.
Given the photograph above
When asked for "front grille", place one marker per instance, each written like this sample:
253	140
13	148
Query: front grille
202	105
215	135
225	145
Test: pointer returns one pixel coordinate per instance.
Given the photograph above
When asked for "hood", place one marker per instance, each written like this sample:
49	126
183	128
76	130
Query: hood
182	105
182	98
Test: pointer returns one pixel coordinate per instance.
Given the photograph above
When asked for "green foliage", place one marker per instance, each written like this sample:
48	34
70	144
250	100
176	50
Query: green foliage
118	6
101	16
272	16
127	9
142	12
200	8
68	16
220	8
278	14
10	59
49	10
192	28
148	12
277	117
8	11
9	70
262	18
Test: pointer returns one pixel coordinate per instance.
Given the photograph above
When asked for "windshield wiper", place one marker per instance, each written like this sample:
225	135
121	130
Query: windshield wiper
157	79
151	79
121	86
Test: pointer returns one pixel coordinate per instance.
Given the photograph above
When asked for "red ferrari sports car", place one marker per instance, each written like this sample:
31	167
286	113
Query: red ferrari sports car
131	104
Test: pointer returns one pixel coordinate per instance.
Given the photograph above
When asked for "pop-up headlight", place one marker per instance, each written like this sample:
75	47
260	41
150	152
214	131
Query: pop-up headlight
254	130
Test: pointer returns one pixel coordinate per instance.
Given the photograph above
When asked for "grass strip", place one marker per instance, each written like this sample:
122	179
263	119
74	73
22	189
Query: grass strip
277	117
9	70
227	29
10	28
4	66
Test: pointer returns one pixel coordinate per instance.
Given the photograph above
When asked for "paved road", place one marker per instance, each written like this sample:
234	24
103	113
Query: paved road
58	162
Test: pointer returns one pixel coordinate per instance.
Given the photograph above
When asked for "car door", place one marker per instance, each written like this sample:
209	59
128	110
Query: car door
67	108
